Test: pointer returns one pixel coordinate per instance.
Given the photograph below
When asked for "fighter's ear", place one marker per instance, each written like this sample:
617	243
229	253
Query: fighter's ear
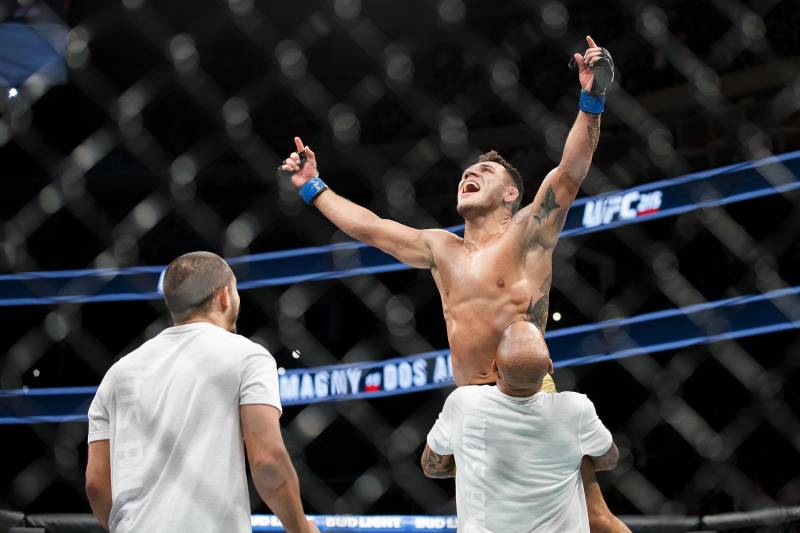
494	366
550	368
512	193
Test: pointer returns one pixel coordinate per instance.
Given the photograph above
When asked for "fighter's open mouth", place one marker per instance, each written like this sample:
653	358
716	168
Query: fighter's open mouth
470	186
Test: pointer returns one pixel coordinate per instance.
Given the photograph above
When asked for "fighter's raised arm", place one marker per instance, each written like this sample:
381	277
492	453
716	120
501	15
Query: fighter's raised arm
408	245
546	214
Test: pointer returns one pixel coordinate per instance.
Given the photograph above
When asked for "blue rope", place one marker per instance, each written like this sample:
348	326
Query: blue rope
671	329
716	187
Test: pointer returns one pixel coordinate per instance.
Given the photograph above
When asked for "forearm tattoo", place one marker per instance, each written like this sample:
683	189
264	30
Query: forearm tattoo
547	206
593	129
438	466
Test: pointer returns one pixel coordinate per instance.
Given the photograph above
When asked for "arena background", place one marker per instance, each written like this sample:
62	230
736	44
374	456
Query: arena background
156	127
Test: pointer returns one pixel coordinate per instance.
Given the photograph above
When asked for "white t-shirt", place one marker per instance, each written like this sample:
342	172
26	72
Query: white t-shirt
171	412
518	459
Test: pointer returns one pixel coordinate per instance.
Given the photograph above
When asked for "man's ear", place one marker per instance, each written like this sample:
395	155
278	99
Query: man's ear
550	368
494	366
512	193
225	298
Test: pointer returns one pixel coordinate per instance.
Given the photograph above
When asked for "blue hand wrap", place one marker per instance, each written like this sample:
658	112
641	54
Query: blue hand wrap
311	189
591	103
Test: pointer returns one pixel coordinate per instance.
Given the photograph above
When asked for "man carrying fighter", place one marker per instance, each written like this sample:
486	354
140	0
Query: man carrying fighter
501	271
512	475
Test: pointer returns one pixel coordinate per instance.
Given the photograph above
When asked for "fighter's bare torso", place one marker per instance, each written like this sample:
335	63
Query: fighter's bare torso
486	287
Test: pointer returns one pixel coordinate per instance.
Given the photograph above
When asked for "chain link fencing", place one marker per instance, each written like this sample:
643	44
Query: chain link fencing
161	132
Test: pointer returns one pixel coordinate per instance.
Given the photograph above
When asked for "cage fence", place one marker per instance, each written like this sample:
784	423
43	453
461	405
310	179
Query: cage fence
145	130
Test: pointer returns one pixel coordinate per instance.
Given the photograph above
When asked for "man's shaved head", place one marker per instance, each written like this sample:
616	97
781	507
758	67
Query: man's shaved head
522	358
192	280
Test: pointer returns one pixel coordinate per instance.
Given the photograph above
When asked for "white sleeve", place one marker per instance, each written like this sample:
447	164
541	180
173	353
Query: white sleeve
259	383
594	438
99	414
440	435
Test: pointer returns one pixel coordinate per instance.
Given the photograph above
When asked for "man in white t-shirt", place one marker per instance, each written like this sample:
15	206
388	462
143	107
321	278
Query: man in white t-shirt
167	423
518	449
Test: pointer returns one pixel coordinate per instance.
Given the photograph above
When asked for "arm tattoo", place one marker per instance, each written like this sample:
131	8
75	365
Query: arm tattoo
547	206
561	217
593	129
438	466
537	312
544	288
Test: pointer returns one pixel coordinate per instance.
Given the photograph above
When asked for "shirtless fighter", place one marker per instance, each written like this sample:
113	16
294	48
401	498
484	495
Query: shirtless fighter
500	272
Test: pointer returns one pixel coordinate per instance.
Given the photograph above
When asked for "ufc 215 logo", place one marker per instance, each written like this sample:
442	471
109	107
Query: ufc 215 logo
621	207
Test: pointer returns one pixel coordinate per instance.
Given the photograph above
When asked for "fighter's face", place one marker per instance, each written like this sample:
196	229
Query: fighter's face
482	188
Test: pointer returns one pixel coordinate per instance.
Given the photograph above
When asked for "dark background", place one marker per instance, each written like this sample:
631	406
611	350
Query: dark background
166	137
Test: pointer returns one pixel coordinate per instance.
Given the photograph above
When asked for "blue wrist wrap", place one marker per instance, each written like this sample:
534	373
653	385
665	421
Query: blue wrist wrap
311	189
591	103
